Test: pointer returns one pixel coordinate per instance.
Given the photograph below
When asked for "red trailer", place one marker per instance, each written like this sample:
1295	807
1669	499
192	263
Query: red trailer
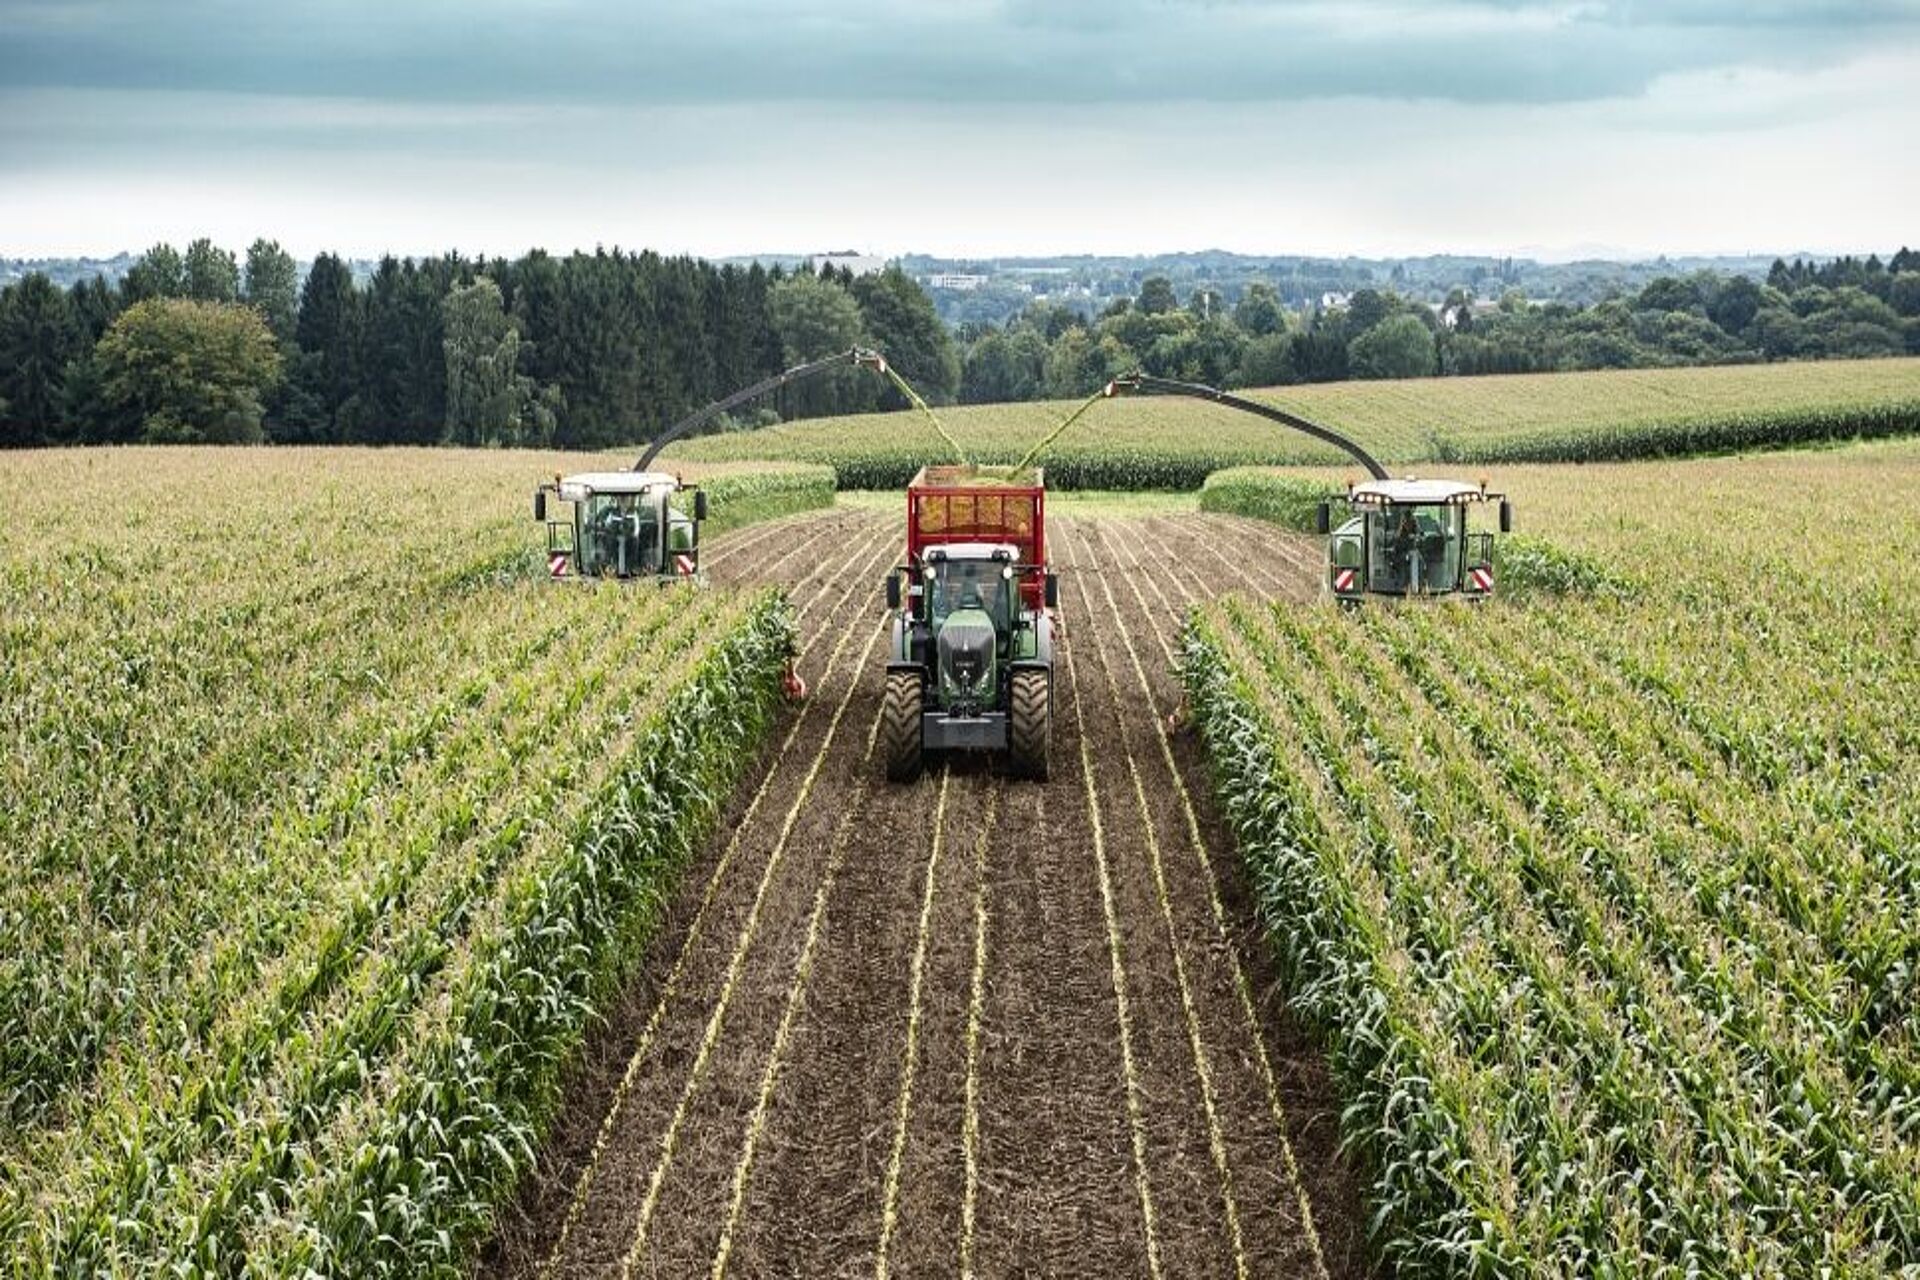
953	504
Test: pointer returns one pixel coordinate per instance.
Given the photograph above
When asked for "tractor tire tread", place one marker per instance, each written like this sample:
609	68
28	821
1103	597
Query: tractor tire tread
1030	723
900	725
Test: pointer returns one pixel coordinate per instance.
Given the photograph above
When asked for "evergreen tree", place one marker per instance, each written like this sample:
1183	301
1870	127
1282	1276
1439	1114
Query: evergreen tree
39	338
272	286
210	274
327	330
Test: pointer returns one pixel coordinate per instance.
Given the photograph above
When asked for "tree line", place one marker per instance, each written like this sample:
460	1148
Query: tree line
1848	307
593	350
584	351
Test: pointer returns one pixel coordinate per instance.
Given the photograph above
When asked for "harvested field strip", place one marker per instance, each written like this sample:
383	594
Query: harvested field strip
1216	1143
583	1186
742	944
735	967
803	970
1208	875
637	1249
1136	1125
942	1024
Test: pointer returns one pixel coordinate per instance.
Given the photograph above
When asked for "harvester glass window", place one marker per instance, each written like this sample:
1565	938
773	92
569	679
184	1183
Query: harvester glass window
1414	547
618	531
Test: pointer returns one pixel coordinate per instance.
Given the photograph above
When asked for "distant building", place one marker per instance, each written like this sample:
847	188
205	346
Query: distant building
861	264
960	280
1450	316
1331	301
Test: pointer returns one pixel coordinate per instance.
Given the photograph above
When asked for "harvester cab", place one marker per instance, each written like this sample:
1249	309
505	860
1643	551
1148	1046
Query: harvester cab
645	523
625	525
971	663
1400	537
1411	538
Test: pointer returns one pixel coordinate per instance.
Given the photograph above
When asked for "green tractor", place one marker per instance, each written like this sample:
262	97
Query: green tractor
971	664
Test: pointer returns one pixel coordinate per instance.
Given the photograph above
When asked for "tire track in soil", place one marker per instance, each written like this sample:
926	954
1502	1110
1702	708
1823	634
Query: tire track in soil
1054	1149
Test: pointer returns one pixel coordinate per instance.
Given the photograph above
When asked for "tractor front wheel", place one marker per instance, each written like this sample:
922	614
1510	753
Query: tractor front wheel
900	724
1030	723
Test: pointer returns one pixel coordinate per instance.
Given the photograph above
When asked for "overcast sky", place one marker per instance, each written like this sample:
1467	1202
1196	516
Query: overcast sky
962	126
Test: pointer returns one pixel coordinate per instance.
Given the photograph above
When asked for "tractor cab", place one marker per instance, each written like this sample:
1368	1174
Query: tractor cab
624	525
1411	538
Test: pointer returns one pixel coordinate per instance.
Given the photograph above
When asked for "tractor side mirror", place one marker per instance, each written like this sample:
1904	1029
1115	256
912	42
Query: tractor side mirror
540	505
699	504
1323	518
1506	516
1053	591
893	591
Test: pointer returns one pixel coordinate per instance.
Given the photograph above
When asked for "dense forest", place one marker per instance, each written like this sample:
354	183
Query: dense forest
582	351
593	350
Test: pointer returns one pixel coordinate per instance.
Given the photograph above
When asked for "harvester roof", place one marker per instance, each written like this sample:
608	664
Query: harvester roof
1411	492
585	484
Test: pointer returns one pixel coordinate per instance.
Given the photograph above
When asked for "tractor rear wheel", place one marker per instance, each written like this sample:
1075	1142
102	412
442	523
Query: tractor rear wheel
900	724
1030	723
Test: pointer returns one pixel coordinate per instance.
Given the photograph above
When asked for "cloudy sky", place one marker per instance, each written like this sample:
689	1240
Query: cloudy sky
962	126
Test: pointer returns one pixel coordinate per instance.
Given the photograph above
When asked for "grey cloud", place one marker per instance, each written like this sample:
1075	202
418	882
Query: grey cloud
1023	51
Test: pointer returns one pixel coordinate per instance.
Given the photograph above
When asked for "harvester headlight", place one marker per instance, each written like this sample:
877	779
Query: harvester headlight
1007	573
927	573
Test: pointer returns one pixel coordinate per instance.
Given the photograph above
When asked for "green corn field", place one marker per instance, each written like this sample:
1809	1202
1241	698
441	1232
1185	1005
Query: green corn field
1605	902
312	875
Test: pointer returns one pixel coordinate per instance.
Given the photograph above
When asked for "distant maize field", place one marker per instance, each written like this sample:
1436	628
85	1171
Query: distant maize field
1548	417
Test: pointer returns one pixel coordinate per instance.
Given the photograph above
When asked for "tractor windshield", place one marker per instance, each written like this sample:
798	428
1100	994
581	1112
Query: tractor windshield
969	584
619	535
1415	549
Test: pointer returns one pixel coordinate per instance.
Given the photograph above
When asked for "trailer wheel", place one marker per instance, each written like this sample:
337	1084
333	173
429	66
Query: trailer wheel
1030	723
900	724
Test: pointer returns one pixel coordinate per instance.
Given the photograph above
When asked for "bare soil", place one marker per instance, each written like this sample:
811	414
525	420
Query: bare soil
798	1079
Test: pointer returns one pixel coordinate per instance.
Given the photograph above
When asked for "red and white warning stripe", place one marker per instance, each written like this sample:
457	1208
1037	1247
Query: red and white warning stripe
557	563
1482	578
1343	580
684	563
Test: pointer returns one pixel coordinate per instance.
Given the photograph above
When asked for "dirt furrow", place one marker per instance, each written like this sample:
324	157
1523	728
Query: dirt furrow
1267	1217
1289	1065
815	1202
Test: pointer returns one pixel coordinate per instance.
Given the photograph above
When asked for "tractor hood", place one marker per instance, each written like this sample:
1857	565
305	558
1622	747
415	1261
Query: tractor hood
966	651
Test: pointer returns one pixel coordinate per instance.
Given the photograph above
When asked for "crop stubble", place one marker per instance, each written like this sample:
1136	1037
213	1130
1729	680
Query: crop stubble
881	1032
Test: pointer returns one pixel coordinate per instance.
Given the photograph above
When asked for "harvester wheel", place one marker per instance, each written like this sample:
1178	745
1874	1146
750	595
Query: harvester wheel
1030	723
900	724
